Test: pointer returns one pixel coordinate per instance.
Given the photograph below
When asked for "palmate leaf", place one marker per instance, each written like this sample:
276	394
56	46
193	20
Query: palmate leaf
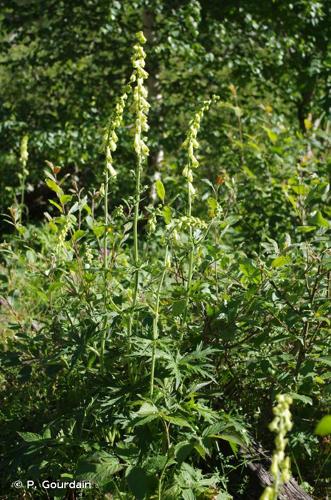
198	407
228	429
183	450
30	437
98	468
188	494
173	492
158	463
232	439
146	420
143	347
194	363
140	482
223	495
191	479
147	413
301	397
176	420
147	409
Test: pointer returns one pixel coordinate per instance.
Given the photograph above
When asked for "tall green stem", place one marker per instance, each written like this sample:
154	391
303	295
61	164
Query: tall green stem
240	127
22	194
191	254
135	232
135	243
24	159
105	265
156	322
106	218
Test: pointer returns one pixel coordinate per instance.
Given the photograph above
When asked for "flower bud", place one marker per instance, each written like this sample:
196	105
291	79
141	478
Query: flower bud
280	464
24	150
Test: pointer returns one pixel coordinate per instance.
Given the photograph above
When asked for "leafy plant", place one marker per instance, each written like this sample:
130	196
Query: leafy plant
144	338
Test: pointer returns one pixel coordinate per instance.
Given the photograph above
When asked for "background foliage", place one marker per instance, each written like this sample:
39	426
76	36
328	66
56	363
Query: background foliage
62	67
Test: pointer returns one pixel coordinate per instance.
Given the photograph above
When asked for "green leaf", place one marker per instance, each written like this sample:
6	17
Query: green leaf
74	208
231	438
273	137
280	261
178	307
87	209
30	437
212	206
323	427
167	214
306	229
65	198
147	409
325	360
248	172
98	468
293	201
181	422
160	189
319	220
54	187
146	420
47	433
308	123
140	483
78	235
183	450
53	227
90	221
52	202
188	494
200	450
251	273
98	230
300	189
305	399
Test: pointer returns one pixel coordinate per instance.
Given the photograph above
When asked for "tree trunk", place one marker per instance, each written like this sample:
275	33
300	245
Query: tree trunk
259	463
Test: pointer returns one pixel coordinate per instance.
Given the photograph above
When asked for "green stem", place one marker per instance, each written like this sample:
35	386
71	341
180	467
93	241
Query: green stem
22	198
105	266
160	482
135	247
159	488
135	233
22	189
106	218
102	349
191	255
240	127
156	322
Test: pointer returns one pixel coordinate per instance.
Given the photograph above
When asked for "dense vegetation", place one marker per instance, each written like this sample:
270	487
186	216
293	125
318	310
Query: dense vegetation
165	267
